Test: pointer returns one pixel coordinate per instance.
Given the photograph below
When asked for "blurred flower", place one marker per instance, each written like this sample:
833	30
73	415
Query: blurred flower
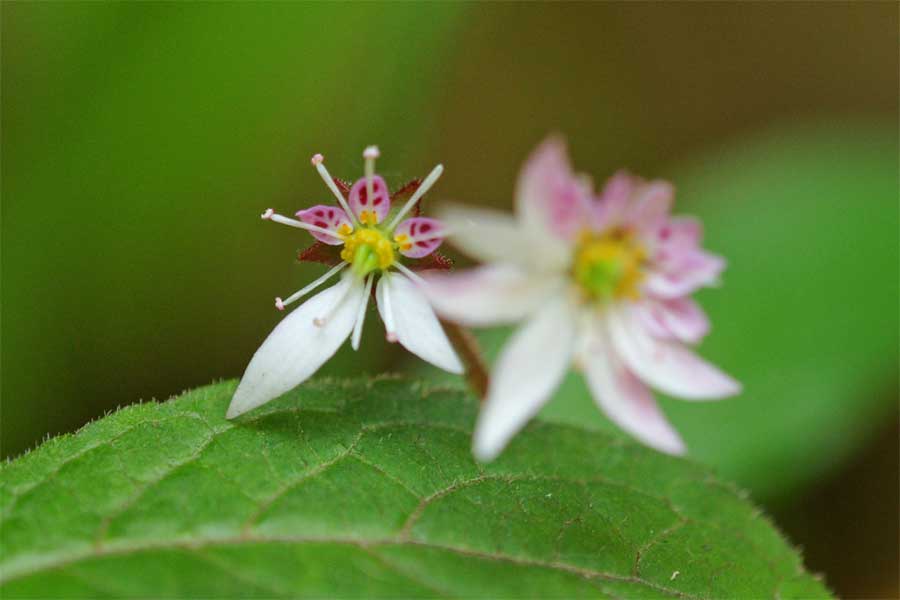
361	239
599	281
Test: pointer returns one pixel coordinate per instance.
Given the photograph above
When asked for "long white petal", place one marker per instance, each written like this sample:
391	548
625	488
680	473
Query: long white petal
496	237
489	295
297	347
624	398
666	365
529	368
415	324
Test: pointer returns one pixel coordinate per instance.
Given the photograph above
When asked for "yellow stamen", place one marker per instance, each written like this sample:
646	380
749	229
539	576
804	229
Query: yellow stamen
368	217
403	241
373	238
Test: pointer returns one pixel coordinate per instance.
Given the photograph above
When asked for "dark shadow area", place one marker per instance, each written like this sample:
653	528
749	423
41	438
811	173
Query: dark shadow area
847	526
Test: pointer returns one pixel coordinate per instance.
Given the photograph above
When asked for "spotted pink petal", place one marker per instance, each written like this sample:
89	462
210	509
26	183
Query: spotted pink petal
680	265
419	236
370	211
326	217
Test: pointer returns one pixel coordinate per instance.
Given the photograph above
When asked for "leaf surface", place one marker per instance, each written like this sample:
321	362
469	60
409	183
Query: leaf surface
368	488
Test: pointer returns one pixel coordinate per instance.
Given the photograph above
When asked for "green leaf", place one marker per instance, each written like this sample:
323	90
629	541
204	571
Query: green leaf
351	488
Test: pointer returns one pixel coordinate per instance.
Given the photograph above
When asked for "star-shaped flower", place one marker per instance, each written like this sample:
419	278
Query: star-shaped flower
601	282
363	240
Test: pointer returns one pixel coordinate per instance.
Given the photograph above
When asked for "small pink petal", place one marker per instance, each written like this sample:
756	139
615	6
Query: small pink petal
679	319
326	217
549	196
683	274
650	205
686	320
673	240
680	233
370	211
666	365
419	236
608	210
653	319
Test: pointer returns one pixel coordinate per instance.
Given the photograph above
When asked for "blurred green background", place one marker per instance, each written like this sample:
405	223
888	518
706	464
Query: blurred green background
140	142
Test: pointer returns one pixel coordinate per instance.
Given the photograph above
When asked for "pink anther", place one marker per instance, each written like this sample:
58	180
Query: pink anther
371	152
317	159
279	304
268	214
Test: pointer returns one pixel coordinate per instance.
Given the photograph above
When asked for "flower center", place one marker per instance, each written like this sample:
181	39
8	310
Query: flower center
367	249
609	266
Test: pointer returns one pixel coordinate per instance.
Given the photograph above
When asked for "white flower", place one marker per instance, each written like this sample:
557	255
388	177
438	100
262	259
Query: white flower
364	235
599	282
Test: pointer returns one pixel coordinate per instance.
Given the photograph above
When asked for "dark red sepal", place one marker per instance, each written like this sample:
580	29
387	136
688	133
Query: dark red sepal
320	253
433	262
403	193
342	185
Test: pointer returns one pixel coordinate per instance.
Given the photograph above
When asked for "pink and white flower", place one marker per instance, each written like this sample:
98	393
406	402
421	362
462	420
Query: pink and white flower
599	281
361	239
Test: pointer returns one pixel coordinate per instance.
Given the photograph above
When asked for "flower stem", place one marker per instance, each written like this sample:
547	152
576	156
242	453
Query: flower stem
467	347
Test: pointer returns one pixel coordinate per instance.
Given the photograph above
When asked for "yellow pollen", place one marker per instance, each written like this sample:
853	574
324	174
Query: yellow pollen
373	238
609	265
368	217
403	241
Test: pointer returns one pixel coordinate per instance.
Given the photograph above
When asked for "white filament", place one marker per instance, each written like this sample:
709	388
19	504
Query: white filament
387	313
405	270
297	295
361	313
326	177
424	187
370	154
272	216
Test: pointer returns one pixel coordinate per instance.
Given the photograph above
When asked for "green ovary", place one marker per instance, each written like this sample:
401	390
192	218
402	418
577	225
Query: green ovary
368	249
609	266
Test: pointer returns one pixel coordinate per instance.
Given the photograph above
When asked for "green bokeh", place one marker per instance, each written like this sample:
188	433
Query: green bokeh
140	144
